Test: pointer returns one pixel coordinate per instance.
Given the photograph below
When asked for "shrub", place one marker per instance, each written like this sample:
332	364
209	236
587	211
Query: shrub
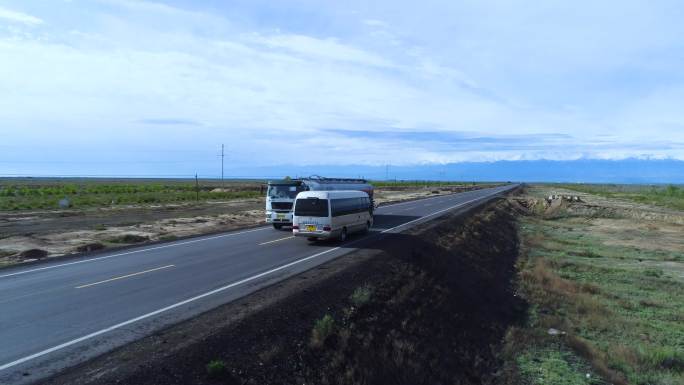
672	190
361	295
217	368
322	329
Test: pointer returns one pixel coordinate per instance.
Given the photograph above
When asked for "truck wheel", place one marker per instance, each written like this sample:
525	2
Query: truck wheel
277	226
343	234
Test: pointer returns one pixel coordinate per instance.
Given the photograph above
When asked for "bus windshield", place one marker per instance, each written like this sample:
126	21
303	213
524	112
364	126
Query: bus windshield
283	191
311	207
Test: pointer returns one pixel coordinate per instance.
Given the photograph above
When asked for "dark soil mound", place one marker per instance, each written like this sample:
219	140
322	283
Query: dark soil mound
129	238
33	254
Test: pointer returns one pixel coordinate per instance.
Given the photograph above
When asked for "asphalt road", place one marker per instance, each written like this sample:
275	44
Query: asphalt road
60	313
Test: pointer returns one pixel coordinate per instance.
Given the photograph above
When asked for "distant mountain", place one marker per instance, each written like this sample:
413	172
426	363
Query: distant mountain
583	170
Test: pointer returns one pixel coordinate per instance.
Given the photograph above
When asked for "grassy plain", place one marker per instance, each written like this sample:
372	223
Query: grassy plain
605	287
45	193
662	195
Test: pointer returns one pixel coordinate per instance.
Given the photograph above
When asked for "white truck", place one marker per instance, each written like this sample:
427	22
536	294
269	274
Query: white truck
280	194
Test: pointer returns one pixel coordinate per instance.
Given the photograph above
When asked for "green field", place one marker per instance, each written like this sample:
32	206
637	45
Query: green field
30	194
612	287
666	196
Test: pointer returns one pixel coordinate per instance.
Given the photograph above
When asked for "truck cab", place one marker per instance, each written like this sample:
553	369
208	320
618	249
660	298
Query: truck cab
280	196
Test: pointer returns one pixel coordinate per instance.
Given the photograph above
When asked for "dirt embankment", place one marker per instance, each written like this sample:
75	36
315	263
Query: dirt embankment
429	307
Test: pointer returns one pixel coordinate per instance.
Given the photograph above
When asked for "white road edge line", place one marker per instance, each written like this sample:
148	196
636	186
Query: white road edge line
124	276
212	292
276	240
132	252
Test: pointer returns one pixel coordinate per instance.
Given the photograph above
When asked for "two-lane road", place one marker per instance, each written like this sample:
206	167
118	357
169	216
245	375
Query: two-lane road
60	313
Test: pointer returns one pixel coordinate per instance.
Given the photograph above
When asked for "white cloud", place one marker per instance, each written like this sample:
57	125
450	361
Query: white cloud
329	49
18	17
375	23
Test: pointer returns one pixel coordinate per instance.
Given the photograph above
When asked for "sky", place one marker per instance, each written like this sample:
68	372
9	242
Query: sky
123	87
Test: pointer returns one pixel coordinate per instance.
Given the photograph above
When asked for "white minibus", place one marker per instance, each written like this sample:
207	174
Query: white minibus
331	214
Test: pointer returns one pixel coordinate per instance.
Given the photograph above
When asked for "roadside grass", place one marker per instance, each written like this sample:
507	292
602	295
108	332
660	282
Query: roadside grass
16	195
323	328
6	253
619	316
554	365
361	295
4	258
667	196
217	369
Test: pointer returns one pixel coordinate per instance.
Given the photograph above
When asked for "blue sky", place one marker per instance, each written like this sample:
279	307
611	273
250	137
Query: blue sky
123	87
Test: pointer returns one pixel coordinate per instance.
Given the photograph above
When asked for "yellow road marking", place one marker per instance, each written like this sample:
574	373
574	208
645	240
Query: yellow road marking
277	240
124	276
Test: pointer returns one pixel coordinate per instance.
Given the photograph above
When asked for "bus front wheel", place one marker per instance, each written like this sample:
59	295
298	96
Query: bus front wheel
277	226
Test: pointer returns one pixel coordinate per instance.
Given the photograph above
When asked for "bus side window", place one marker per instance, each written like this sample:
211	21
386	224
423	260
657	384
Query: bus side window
351	207
340	207
335	207
339	203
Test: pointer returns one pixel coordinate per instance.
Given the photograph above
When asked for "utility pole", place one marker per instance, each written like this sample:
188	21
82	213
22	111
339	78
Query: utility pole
196	188
223	185
386	171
